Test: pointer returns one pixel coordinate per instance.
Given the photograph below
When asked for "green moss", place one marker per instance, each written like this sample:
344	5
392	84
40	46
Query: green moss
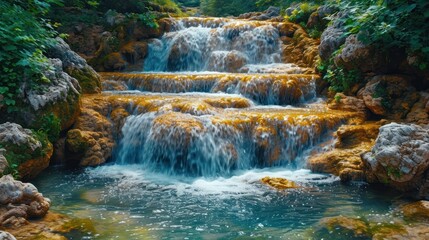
88	82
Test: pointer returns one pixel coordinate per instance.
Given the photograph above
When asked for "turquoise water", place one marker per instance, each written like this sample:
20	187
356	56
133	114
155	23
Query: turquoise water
126	202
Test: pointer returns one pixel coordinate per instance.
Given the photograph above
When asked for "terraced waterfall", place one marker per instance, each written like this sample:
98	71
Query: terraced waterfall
215	108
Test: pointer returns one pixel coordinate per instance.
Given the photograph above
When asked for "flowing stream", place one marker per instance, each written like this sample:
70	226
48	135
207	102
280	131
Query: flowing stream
224	112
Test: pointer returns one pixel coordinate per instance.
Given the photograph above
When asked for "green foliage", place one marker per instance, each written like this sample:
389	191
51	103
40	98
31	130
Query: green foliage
50	125
340	79
23	38
390	24
223	8
189	3
301	14
337	98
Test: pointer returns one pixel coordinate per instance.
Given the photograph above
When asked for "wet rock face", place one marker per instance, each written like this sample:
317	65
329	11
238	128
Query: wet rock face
76	67
400	158
23	149
20	201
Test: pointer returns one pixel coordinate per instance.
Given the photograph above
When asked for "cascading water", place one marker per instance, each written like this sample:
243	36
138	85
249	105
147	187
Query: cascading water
194	146
223	47
202	140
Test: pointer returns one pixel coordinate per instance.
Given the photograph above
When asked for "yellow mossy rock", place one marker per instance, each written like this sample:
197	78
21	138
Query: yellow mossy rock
279	183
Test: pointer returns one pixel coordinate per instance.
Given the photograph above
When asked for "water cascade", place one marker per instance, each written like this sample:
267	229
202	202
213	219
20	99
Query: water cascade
216	109
187	129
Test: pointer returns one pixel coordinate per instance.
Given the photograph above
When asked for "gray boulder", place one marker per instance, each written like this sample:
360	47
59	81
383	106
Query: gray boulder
400	158
332	38
20	201
6	236
31	155
76	66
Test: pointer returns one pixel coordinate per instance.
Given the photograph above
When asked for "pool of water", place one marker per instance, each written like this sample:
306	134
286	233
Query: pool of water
127	202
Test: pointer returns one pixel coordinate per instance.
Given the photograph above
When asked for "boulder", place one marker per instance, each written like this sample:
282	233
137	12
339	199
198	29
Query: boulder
76	66
331	40
58	95
390	96
400	158
349	103
27	152
20	201
417	211
419	113
6	236
344	159
134	53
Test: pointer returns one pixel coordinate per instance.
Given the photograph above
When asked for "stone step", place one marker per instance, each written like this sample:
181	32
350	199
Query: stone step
201	134
266	88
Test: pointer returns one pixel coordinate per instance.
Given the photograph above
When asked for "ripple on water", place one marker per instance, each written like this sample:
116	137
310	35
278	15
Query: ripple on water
129	202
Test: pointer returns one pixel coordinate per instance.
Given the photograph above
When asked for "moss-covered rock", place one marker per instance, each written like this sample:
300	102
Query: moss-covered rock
76	67
27	152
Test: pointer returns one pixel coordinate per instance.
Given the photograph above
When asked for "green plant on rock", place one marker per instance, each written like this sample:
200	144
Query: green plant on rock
49	125
24	35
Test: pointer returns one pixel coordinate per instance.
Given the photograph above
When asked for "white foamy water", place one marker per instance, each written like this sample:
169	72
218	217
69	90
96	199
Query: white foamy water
243	183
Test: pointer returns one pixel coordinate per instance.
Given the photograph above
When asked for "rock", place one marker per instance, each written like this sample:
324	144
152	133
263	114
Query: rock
367	58
29	152
318	18
20	201
270	14
416	211
391	96
114	62
6	236
342	228
4	165
331	40
59	96
227	61
419	113
53	226
134	53
300	49
76	67
344	159
279	183
400	158
349	103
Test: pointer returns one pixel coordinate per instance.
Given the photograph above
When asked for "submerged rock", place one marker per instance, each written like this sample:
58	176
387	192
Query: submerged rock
400	158
20	201
279	183
416	211
26	152
342	228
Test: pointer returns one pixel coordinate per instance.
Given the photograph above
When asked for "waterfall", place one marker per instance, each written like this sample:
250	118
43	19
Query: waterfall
215	97
222	47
